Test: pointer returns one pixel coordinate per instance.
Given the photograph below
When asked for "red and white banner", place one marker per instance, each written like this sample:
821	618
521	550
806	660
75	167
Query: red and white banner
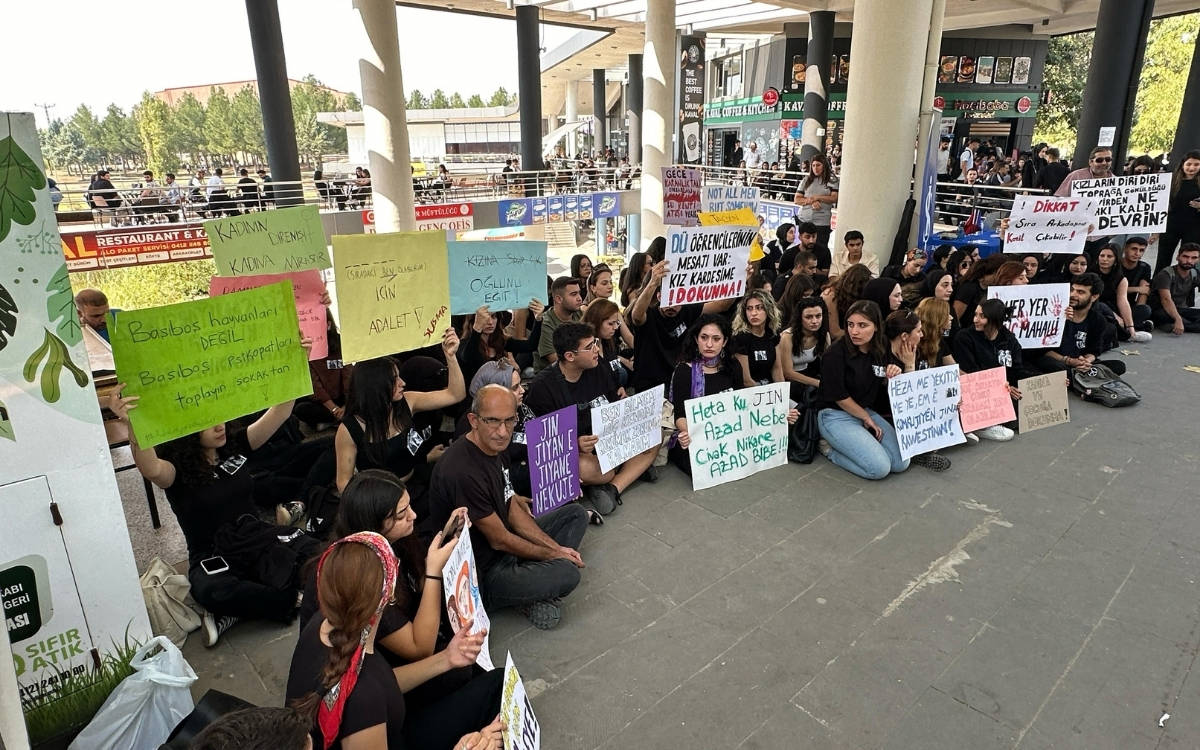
452	218
134	246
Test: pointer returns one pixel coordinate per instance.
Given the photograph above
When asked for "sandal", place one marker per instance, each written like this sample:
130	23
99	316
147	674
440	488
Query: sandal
595	519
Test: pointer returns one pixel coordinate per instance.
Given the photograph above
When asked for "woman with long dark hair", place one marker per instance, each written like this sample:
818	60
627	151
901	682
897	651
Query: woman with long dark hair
705	367
819	194
377	428
581	267
614	335
801	345
970	290
356	699
633	275
854	372
842	292
988	343
905	333
1183	211
1115	297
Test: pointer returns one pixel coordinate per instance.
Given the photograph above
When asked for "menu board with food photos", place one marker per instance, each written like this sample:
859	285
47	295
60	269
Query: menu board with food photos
798	71
1021	66
983	71
1004	70
966	69
947	68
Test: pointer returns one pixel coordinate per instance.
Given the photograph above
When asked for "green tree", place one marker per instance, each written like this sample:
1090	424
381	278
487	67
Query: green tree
118	137
475	101
152	118
500	98
438	100
351	103
186	133
85	125
248	123
456	101
1064	78
65	146
218	124
309	97
417	100
1169	49
311	140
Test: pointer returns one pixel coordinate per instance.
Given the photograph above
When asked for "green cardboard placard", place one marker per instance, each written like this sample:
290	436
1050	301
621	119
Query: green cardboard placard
198	364
278	241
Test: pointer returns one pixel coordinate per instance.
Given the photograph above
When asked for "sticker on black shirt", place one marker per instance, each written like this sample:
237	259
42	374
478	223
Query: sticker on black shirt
417	438
1004	357
679	330
879	370
760	355
508	487
231	465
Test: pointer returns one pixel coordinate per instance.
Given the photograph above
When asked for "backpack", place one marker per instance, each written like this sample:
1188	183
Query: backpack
1101	385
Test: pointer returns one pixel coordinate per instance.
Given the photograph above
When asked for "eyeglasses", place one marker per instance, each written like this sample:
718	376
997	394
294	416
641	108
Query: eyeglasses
494	422
592	346
1102	159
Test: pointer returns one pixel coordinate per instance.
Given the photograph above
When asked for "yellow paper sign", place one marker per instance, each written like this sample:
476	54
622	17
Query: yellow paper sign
393	292
742	217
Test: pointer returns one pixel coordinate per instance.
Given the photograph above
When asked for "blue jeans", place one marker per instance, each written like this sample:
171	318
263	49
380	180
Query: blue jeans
855	449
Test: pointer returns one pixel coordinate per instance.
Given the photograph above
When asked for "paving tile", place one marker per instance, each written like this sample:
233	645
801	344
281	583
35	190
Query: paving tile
939	721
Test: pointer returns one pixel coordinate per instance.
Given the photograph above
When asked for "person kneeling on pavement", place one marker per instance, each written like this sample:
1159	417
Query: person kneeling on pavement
523	562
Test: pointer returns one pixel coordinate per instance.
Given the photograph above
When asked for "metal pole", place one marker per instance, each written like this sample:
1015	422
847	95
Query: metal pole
275	98
529	86
816	78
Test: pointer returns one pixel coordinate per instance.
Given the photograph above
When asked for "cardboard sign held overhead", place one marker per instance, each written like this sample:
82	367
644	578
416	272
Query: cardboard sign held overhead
276	241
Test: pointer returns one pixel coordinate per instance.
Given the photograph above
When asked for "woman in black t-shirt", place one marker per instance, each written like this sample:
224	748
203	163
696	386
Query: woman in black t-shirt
972	288
756	326
854	372
339	678
614	335
704	368
986	344
377	430
911	348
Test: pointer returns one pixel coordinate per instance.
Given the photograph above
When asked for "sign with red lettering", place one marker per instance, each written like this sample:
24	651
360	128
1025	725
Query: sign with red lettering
452	218
706	263
135	246
681	195
1047	224
770	97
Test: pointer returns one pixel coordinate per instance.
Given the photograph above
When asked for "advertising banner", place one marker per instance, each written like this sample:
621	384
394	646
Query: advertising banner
691	98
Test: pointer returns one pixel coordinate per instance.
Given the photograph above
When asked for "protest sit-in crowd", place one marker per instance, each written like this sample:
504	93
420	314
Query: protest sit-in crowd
397	495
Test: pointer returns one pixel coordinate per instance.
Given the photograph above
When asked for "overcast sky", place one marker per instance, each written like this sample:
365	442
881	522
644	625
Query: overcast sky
72	52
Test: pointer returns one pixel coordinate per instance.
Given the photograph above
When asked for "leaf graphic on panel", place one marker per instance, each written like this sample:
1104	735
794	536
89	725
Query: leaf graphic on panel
6	428
8	317
56	356
19	178
60	306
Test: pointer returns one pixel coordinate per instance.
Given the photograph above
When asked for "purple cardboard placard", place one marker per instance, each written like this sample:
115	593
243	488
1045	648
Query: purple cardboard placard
553	442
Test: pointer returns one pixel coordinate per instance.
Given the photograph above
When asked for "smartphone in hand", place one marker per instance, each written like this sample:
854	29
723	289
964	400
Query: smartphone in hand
452	530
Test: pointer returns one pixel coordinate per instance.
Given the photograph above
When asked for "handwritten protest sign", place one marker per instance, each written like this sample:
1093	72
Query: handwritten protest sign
728	198
737	433
737	216
707	263
553	443
521	728
1043	402
1041	224
1133	204
925	409
198	364
627	427
681	195
393	292
307	287
504	275
985	399
460	587
1037	312
278	241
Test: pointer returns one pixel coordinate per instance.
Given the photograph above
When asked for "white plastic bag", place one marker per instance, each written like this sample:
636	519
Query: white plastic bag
146	706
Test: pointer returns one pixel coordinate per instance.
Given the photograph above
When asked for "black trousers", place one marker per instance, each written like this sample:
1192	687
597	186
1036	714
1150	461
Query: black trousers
440	724
1190	315
226	594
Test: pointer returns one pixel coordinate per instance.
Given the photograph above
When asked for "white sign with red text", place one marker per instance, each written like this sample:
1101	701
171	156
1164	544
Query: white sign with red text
452	218
1048	224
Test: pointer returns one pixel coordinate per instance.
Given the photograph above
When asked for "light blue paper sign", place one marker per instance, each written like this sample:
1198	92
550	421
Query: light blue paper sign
504	275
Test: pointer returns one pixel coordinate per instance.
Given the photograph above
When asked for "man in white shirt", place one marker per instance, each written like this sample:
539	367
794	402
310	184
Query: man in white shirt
218	198
943	159
753	157
966	161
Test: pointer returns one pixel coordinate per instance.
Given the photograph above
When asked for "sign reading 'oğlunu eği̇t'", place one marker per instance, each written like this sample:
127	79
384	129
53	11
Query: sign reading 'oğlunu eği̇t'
279	241
198	364
393	292
503	275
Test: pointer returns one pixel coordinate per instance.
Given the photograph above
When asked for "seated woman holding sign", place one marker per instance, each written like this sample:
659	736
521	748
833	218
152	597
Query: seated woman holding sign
986	344
486	338
337	676
905	333
457	700
210	490
854	374
377	427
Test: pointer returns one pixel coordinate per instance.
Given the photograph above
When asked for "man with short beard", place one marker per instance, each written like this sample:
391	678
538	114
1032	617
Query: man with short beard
1174	293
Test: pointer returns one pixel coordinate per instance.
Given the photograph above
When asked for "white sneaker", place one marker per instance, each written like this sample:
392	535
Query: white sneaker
999	433
972	437
1140	337
824	448
214	626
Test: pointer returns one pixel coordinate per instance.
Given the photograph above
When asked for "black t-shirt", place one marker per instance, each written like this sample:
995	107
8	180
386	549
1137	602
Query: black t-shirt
393	617
846	372
974	352
467	477
656	344
1182	288
400	454
760	351
787	261
969	293
376	698
726	379
1135	276
202	509
1083	338
551	391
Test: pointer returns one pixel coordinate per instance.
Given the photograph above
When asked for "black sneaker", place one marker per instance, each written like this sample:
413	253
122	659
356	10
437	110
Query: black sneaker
214	626
543	615
603	497
932	461
1146	325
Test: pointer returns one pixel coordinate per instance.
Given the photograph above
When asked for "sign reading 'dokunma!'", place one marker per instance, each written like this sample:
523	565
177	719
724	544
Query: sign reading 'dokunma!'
393	292
198	364
737	433
278	241
706	263
503	275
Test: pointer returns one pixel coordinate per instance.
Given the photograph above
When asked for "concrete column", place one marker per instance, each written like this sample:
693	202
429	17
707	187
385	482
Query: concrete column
600	110
633	112
816	82
572	116
658	115
888	47
275	96
633	234
1187	134
384	119
933	50
1113	73
529	86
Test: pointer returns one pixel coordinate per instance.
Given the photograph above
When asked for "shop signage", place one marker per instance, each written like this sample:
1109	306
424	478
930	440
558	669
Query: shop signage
770	97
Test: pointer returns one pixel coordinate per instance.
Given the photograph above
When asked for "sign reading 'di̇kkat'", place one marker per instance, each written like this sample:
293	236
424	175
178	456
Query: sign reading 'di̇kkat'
925	409
628	427
1043	402
737	433
521	728
985	399
198	364
503	275
277	241
393	292
728	198
1037	312
706	263
553	445
307	286
1134	204
1041	224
